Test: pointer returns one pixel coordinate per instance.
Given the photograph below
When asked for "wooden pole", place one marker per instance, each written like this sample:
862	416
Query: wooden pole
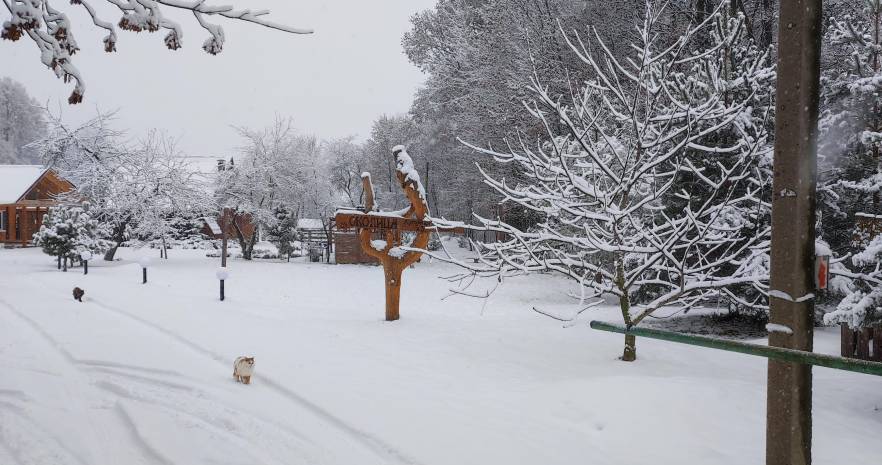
789	396
144	275
85	266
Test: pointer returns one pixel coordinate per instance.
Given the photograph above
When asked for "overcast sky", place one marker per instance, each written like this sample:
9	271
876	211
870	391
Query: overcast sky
334	82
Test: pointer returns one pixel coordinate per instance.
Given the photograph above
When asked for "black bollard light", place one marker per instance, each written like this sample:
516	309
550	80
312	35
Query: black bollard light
222	275
144	262
85	256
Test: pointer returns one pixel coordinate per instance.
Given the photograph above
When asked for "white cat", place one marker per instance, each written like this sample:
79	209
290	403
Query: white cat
243	368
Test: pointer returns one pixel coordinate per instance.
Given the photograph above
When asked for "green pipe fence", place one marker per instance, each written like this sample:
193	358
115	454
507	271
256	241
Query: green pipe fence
777	353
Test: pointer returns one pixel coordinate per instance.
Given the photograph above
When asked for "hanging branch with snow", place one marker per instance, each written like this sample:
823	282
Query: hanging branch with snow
51	29
652	177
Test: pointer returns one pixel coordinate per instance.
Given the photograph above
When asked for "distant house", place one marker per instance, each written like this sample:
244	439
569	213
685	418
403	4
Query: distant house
211	226
26	193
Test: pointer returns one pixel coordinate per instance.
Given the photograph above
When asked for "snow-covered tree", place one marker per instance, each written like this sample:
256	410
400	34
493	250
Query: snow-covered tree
274	172
21	122
129	185
69	230
622	182
346	162
48	25
172	187
851	123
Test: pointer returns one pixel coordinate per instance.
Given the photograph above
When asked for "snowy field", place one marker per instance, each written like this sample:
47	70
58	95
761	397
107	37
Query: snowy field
141	374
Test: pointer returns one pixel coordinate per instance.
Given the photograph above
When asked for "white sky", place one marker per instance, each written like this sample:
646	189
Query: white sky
334	82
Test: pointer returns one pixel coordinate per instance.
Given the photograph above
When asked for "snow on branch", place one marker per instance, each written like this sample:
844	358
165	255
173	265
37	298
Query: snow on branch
51	29
652	180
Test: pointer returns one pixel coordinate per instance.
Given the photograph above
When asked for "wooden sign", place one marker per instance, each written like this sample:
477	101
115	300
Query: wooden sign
391	227
369	221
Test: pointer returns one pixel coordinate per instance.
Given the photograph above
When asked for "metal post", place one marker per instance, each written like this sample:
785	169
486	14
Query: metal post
224	227
144	274
789	401
222	290
85	266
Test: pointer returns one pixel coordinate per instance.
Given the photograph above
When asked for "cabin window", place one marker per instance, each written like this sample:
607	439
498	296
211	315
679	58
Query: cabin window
3	220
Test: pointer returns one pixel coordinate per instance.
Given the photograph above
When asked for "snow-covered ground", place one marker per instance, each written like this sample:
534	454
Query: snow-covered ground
143	374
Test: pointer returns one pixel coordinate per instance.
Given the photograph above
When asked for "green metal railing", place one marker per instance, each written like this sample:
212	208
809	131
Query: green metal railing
777	353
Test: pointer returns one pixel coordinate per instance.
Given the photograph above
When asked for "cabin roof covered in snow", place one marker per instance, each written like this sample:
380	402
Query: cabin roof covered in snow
16	181
212	225
309	223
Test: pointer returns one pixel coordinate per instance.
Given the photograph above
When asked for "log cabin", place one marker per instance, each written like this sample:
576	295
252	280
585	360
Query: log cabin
26	193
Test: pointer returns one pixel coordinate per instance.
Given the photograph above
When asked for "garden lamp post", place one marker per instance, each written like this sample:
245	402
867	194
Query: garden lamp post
222	275
85	256
144	262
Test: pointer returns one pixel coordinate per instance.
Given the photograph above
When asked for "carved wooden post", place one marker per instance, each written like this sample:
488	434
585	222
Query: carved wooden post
394	261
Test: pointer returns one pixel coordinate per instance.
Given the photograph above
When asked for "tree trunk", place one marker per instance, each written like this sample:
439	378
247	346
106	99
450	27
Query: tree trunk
630	353
59	261
119	236
164	252
64	264
243	241
108	256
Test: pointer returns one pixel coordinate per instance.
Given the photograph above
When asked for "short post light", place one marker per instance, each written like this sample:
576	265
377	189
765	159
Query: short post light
85	256
222	275
144	262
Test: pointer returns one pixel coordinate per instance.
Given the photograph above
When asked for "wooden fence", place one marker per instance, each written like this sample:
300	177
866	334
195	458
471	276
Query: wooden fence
862	343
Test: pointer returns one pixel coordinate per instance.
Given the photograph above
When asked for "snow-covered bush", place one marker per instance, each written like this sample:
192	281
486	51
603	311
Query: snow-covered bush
264	250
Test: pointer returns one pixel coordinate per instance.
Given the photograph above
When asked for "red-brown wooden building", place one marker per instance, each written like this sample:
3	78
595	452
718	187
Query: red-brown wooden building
26	193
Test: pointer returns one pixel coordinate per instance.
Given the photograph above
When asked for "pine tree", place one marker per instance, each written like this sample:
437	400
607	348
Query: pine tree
282	232
851	124
68	231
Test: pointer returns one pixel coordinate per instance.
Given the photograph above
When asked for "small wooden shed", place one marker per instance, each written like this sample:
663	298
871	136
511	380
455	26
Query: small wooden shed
26	193
312	231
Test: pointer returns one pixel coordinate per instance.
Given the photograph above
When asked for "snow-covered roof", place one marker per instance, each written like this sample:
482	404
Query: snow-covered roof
309	223
15	180
868	215
212	225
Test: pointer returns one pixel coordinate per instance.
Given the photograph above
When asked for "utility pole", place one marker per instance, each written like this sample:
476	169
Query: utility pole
789	401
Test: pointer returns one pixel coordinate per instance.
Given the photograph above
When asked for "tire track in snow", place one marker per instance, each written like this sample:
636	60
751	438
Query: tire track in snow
30	444
73	367
224	422
149	451
373	443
